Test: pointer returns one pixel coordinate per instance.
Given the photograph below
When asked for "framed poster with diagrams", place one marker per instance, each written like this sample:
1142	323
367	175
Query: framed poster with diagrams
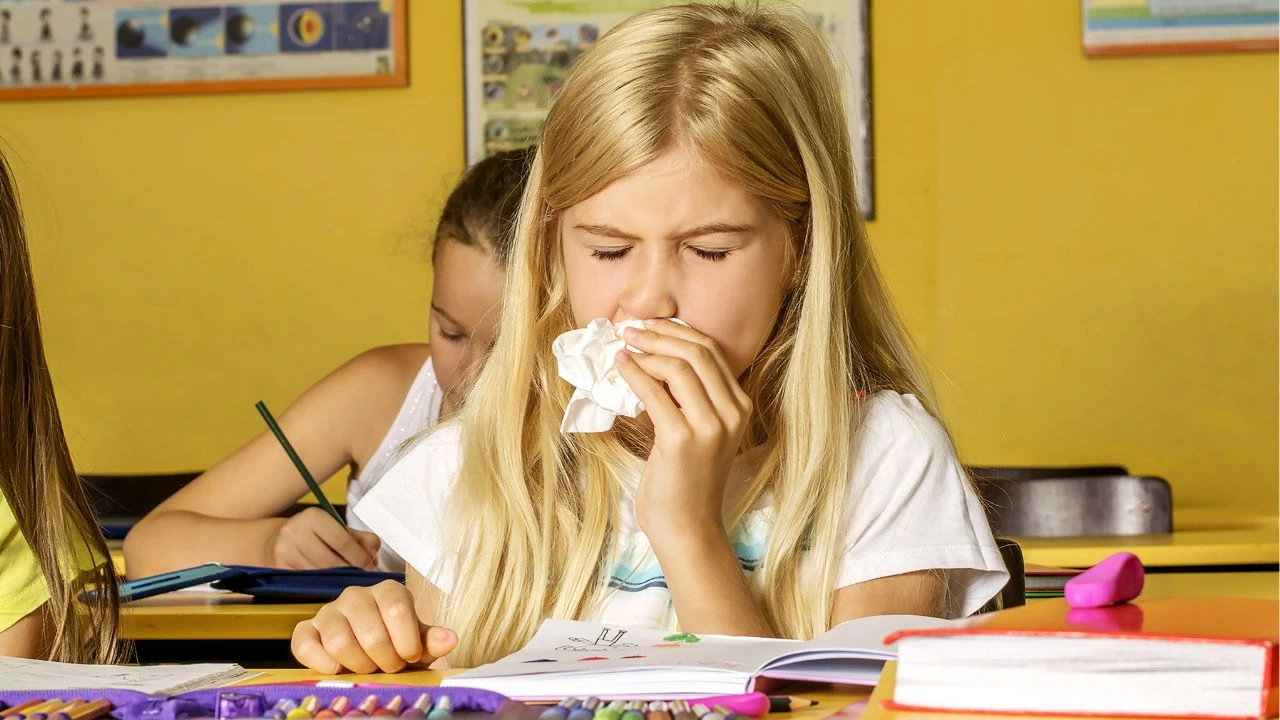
82	48
518	53
1163	27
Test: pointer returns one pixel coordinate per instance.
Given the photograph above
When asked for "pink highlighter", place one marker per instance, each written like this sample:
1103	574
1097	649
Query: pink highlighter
1115	580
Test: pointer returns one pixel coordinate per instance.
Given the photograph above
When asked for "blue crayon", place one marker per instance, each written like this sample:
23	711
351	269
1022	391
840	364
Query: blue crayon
555	712
585	711
281	709
443	709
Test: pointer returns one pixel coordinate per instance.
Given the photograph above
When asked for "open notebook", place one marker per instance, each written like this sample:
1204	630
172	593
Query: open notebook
23	674
567	658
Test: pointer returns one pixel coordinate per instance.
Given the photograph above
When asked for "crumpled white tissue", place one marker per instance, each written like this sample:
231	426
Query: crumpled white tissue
600	394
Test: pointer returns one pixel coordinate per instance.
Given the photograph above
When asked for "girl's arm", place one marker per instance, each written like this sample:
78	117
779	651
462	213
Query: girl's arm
26	637
915	593
228	514
699	413
708	587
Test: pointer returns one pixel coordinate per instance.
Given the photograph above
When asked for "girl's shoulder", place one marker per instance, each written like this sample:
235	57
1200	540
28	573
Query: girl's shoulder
376	384
899	419
389	365
432	458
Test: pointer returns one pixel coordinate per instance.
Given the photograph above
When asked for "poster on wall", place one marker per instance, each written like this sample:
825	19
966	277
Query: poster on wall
518	53
82	48
1150	27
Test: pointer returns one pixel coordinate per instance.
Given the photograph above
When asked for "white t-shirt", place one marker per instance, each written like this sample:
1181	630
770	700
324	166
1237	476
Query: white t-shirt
909	507
419	412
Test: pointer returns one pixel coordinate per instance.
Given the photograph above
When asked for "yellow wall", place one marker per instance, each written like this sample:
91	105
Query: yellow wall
1086	249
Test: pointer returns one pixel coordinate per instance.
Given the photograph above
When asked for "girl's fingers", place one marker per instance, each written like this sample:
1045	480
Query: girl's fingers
661	408
688	334
438	642
340	643
703	356
399	620
318	554
343	544
685	386
308	650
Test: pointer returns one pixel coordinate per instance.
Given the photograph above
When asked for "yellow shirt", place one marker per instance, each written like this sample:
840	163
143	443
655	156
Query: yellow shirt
22	586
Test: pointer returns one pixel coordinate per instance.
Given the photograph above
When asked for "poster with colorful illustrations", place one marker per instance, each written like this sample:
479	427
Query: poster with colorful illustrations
1147	27
518	53
74	48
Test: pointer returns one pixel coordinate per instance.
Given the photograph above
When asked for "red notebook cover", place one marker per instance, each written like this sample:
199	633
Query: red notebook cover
1249	621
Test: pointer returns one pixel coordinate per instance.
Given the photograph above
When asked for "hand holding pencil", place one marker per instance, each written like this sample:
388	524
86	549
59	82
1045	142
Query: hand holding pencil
317	537
312	540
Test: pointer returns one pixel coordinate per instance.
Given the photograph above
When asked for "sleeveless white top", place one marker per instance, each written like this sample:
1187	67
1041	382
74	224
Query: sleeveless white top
420	412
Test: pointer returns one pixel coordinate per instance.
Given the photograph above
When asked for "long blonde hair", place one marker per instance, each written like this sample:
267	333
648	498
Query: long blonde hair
754	92
36	475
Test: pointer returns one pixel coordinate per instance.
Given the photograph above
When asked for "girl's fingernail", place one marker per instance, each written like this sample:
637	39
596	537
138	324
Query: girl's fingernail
630	333
651	322
623	357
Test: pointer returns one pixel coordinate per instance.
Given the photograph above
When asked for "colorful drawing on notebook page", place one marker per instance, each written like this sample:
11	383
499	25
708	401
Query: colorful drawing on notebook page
608	639
542	660
683	638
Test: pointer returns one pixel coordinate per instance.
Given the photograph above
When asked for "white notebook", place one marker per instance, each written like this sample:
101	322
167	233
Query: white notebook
567	658
24	674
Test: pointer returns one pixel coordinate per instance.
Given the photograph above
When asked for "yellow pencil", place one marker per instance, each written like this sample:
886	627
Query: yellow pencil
91	711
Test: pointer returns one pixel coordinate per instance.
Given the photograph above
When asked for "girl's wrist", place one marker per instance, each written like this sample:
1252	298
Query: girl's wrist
689	539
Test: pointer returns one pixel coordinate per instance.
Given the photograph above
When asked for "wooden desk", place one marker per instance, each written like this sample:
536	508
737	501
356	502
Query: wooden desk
211	616
1200	537
830	699
1207	584
228	616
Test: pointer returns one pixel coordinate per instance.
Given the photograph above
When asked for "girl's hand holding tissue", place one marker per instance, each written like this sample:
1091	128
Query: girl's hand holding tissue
699	414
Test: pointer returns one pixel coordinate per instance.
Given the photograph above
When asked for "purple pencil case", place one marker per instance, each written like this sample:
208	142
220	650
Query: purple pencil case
133	705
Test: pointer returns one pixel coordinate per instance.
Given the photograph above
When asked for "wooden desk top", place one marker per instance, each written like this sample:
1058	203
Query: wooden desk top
211	615
228	616
1201	536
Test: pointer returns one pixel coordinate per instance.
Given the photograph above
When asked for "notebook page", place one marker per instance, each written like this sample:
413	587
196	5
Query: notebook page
26	674
584	648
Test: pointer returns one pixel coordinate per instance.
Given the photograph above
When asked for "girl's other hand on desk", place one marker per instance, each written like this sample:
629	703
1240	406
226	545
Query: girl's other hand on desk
370	629
312	539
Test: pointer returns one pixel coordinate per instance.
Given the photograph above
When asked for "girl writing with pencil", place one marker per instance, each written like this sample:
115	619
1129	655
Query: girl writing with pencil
789	471
51	549
358	416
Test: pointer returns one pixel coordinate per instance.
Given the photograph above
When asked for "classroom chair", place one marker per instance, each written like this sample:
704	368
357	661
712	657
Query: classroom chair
119	501
999	473
1080	505
1014	592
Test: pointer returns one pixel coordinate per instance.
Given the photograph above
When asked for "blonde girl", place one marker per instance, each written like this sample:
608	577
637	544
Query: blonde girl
790	472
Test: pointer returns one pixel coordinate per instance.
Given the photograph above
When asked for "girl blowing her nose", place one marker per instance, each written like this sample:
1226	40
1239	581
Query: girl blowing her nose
789	473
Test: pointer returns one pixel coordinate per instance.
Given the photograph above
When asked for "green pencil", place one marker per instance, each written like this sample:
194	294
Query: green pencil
297	462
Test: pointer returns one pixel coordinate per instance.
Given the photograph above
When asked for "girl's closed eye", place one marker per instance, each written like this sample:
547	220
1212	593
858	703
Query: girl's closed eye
610	253
452	337
714	255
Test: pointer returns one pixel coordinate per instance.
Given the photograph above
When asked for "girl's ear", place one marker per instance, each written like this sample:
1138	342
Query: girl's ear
799	254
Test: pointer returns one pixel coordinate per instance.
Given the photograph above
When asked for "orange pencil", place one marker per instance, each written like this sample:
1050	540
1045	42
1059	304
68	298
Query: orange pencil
91	711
